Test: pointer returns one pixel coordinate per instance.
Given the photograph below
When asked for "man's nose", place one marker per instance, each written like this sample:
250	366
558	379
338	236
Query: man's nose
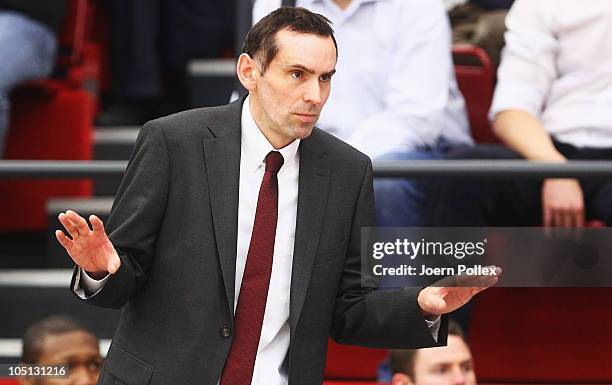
312	93
459	376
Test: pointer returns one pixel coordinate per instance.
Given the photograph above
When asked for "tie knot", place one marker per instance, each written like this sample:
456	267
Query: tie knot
274	161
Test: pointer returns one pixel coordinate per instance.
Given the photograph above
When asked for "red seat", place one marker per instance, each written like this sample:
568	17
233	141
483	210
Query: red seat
352	363
543	335
52	120
7	381
476	81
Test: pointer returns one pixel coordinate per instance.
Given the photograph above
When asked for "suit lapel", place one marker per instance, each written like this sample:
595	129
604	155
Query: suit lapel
312	199
222	159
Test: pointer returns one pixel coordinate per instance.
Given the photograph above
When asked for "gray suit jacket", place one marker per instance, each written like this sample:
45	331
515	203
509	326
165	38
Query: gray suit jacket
174	223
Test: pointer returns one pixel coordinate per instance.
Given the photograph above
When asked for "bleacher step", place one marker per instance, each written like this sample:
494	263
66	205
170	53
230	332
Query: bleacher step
211	81
114	143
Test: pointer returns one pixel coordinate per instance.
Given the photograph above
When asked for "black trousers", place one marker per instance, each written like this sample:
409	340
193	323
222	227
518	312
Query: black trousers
474	202
152	41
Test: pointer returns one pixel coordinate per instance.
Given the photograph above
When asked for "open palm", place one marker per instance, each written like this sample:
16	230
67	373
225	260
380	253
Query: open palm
441	299
90	249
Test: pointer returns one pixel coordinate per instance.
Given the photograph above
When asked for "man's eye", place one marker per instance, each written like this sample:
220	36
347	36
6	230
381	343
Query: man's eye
296	75
466	367
325	78
441	369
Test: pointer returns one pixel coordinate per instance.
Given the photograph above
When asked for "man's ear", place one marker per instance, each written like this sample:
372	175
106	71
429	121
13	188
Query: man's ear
401	379
247	71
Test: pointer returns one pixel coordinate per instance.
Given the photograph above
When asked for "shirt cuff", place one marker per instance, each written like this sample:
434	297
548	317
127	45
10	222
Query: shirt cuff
86	287
434	326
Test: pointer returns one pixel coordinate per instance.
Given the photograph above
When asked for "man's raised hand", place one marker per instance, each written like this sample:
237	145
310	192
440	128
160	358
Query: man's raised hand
450	293
91	250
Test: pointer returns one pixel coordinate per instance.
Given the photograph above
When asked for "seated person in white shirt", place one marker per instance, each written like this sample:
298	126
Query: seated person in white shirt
552	103
394	96
447	365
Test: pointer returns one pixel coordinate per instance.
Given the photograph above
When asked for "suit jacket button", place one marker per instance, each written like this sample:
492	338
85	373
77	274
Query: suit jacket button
226	332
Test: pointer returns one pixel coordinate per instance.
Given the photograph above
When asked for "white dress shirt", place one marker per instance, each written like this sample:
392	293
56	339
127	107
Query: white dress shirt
450	4
557	65
274	340
395	88
275	332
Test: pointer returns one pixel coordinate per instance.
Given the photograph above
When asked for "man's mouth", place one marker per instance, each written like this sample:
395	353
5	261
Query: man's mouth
307	118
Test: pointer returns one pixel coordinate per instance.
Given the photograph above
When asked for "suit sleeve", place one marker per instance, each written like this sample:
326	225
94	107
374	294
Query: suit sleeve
136	217
365	316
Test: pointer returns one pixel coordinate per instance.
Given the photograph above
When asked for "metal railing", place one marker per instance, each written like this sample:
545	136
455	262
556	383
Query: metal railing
27	169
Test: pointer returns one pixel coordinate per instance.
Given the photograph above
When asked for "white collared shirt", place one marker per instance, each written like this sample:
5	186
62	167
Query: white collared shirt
557	65
395	87
274	341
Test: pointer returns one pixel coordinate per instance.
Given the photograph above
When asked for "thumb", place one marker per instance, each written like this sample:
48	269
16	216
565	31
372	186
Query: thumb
432	301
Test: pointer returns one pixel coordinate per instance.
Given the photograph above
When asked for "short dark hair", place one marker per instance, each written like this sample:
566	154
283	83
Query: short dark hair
35	335
260	41
402	361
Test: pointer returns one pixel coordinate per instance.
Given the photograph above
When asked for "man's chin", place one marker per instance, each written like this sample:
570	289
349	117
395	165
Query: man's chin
304	131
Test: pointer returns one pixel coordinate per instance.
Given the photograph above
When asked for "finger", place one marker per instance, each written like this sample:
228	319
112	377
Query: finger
63	239
68	225
79	222
97	224
435	304
485	281
547	215
557	220
568	218
580	217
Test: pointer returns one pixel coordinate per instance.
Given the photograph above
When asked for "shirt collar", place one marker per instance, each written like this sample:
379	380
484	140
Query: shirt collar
256	147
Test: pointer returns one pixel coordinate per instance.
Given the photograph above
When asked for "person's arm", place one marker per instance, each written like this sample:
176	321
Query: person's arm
527	72
368	317
525	134
127	252
416	91
393	319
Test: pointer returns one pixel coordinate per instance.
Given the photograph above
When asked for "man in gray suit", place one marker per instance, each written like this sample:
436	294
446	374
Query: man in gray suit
225	273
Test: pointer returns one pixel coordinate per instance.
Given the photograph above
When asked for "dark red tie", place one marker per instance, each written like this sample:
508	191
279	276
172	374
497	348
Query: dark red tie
251	306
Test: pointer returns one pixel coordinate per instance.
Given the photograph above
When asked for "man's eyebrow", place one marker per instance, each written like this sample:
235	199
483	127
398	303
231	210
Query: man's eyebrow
310	71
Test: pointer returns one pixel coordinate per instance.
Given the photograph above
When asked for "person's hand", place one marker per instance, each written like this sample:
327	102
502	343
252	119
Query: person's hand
91	250
450	293
562	203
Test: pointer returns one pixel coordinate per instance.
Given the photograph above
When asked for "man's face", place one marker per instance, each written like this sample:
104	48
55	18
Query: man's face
287	99
79	351
446	365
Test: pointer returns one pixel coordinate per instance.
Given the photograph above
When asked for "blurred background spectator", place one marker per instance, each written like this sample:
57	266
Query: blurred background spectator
552	103
479	22
28	45
447	365
59	340
151	43
394	96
